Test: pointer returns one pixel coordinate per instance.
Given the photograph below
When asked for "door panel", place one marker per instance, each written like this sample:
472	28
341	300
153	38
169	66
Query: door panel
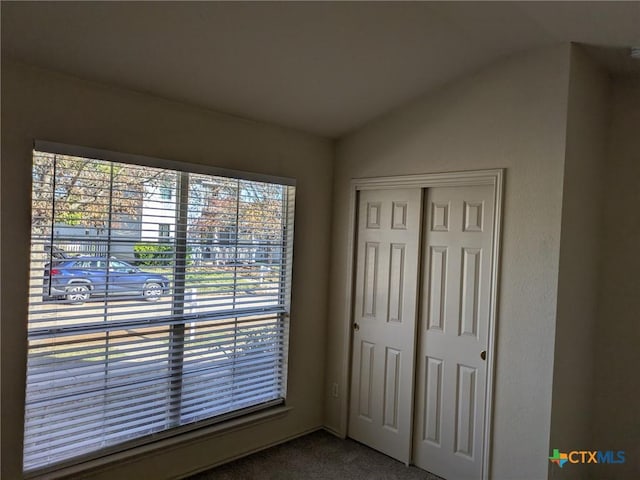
391	388
432	423
453	331
365	379
385	307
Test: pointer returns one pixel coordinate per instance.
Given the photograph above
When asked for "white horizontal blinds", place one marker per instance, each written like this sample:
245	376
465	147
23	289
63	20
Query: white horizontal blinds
188	283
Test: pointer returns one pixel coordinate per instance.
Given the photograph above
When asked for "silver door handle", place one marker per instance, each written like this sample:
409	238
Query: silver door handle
356	327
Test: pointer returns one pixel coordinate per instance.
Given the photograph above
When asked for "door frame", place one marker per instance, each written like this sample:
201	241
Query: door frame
493	177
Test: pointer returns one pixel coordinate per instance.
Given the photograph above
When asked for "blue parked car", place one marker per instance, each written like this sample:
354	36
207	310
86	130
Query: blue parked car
76	279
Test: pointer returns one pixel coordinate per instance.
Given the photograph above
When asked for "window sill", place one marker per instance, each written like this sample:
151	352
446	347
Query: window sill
162	446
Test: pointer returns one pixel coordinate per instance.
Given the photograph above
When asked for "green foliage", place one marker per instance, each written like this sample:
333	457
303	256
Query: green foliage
70	218
153	254
157	254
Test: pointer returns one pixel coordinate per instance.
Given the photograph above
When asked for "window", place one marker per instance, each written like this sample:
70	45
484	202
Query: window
164	230
121	267
133	339
165	193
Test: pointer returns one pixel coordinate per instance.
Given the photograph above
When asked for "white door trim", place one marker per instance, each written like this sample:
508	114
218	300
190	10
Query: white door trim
493	177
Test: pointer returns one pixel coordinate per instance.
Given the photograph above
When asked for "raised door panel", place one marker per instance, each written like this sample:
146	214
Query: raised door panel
370	284
465	411
391	388
396	282
365	379
437	293
470	290
433	400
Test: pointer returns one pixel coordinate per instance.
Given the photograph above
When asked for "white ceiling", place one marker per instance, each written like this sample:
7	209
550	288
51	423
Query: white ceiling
322	67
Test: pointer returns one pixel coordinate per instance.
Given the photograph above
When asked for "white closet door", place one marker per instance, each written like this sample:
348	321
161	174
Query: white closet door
453	331
384	320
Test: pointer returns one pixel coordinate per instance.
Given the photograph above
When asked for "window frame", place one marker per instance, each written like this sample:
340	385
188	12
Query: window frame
216	423
165	193
164	231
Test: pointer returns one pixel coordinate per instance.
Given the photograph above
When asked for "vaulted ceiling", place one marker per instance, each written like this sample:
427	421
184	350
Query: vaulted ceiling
322	67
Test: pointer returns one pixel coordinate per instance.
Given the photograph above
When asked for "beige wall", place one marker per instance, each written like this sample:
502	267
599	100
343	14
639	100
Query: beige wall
578	282
617	425
511	115
38	104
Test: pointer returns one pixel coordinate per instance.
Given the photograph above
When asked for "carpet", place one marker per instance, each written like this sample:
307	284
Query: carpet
316	456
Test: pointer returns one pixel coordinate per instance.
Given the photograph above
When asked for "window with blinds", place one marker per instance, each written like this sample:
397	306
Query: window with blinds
158	303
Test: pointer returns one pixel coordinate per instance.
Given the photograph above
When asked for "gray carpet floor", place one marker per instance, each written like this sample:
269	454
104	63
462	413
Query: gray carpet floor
317	456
